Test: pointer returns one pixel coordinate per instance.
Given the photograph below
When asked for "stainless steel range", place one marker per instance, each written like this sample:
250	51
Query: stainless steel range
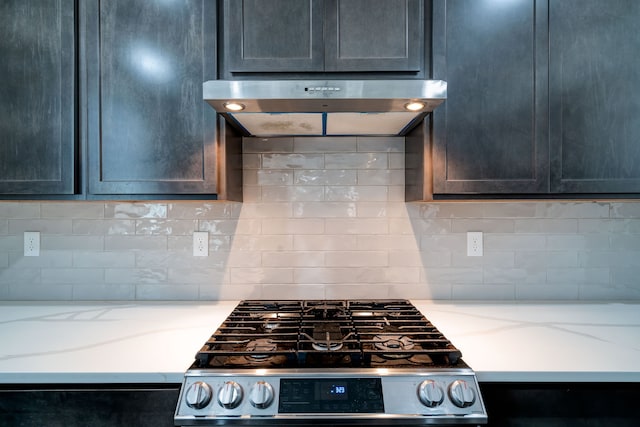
378	362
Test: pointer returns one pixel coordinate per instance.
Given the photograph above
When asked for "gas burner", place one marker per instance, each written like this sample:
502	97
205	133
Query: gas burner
391	343
261	347
271	321
327	346
326	310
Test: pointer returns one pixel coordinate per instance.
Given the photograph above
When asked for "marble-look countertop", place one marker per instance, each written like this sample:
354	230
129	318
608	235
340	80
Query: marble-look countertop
133	342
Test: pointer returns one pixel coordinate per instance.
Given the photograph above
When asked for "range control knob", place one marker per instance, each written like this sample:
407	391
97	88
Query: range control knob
430	393
261	395
198	395
230	395
461	394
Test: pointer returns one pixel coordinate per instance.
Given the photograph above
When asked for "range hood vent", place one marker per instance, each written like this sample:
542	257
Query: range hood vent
324	107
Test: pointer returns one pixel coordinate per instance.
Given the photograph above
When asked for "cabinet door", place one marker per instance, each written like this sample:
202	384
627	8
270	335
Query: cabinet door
273	35
594	94
490	135
374	35
148	129
37	97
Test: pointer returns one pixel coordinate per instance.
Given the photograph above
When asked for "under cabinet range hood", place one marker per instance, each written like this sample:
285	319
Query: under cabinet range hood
324	107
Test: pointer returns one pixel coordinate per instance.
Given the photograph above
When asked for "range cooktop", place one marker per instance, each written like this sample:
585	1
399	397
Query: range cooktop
329	361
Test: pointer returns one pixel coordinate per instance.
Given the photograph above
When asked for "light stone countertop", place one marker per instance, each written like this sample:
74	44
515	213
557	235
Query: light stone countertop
132	342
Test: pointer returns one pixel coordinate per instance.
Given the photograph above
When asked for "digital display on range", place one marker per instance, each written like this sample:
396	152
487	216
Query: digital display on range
331	391
338	395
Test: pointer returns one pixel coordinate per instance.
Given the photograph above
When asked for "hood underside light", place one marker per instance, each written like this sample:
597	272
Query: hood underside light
234	106
414	106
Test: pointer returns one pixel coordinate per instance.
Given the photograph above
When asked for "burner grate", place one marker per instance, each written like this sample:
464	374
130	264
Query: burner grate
321	333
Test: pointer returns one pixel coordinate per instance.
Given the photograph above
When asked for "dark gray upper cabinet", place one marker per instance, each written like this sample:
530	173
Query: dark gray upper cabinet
148	130
594	95
294	36
37	97
490	136
374	35
273	35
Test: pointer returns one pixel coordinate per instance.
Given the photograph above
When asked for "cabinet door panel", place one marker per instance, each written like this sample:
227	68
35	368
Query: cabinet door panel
490	135
149	130
37	93
594	87
273	35
374	35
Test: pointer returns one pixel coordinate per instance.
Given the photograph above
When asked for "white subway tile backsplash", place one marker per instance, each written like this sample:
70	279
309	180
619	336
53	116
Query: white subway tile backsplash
293	226
542	291
504	292
357	161
325	177
48	226
104	291
264	242
220	227
86	259
293	259
41	292
396	161
322	218
356	193
72	275
387	242
101	227
266	209
203	210
280	292
484	225
624	210
549	226
261	275
578	242
55	259
139	243
72	243
376	144
358	226
160	292
135	210
324	242
545	259
347	144
68	210
167	227
268	145
357	259
19	277
274	177
293	161
324	209
291	193
244	258
577	210
138	275
23	210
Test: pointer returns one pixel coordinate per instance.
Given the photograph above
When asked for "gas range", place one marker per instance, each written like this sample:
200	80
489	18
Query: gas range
376	362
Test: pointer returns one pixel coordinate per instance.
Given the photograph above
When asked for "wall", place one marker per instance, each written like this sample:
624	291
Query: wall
322	219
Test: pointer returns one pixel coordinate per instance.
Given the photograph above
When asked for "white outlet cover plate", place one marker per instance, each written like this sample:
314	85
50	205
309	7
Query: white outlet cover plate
200	243
31	243
474	243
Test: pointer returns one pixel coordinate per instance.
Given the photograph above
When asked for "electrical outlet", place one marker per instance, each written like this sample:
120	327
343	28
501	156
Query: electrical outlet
474	243
200	243
31	243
